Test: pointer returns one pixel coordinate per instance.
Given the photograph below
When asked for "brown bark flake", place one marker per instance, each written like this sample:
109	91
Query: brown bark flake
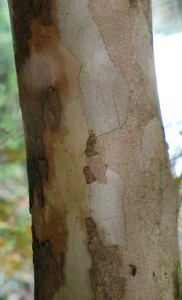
91	144
89	176
48	272
107	282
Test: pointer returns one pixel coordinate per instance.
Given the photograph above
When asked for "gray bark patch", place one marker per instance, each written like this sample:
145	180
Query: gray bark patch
152	143
98	168
107	206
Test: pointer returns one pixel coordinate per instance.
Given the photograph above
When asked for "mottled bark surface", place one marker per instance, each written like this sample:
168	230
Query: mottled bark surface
40	100
102	201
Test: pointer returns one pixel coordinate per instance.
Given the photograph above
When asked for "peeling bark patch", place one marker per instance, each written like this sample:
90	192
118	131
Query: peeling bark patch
91	145
46	105
49	250
37	164
44	265
37	172
89	176
105	276
96	169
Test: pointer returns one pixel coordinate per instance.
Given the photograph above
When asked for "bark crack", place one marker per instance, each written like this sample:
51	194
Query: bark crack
116	111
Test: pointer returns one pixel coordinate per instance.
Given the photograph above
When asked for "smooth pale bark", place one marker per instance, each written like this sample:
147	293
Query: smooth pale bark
102	201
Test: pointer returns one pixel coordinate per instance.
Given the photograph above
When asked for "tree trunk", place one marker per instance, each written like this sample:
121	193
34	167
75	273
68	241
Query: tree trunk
103	205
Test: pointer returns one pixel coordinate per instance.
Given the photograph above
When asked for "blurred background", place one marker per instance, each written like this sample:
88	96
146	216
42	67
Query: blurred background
167	30
16	273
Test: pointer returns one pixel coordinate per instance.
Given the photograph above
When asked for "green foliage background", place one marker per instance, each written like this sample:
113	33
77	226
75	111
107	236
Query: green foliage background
15	233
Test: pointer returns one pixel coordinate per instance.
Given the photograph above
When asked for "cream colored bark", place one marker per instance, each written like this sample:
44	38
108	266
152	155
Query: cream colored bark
102	201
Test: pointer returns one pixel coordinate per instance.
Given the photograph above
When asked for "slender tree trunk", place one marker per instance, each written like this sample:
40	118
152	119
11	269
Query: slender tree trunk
102	201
